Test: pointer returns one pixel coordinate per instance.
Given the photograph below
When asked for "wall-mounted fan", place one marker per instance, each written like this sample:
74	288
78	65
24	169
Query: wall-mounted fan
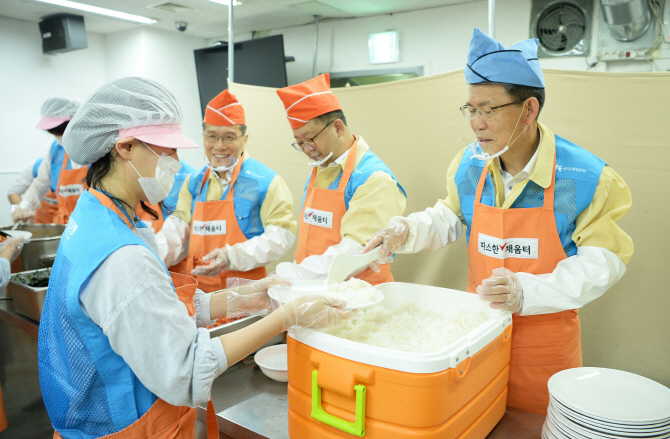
562	26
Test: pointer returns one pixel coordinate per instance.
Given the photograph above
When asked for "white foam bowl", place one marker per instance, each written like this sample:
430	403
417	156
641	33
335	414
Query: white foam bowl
273	361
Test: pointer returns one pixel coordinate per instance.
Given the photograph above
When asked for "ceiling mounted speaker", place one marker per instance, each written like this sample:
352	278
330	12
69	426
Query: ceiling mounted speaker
563	27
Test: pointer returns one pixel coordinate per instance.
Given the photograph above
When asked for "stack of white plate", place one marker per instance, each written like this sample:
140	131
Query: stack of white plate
598	403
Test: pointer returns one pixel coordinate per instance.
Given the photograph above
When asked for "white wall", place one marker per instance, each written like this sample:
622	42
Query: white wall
29	77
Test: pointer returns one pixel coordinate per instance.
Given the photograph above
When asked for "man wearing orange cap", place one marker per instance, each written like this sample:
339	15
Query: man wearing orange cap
350	193
236	212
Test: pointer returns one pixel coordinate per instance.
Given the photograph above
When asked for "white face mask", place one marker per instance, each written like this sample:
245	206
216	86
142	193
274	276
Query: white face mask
314	164
485	155
223	168
157	188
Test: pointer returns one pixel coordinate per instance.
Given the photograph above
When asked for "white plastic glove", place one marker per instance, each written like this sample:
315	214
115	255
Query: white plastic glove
390	238
503	290
216	261
314	311
10	249
22	214
250	298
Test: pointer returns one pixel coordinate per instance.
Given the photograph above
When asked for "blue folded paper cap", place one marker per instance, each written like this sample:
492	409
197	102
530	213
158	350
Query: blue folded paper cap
489	61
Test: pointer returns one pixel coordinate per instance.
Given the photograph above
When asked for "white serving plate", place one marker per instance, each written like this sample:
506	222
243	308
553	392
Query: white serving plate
592	433
611	395
425	298
273	361
594	423
19	234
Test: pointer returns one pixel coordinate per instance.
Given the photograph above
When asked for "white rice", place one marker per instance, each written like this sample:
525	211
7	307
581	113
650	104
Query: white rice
355	292
407	328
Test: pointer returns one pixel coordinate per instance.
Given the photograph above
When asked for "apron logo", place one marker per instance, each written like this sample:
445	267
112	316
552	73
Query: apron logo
204	228
71	228
521	248
70	190
560	168
318	218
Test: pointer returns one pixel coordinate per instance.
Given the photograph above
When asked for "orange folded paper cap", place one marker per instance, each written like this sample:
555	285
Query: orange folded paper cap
224	110
305	101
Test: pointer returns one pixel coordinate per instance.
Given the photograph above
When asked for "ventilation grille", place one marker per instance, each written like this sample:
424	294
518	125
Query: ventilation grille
170	7
562	27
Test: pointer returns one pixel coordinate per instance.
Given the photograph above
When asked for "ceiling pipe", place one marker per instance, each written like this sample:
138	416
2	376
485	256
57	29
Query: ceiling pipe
492	18
317	18
231	44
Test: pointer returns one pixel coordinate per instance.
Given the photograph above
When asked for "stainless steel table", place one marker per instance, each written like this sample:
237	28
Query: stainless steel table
250	405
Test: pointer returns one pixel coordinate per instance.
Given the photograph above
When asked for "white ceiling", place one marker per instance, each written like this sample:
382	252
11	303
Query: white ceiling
210	20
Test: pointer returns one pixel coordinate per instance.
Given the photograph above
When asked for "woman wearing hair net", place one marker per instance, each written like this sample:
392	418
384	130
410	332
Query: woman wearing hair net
59	180
122	346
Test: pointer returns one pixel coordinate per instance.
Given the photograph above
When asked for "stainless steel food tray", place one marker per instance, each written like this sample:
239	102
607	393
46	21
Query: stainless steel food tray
28	301
241	323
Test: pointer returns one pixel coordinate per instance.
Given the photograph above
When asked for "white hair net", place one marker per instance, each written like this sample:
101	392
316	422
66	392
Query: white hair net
121	104
59	107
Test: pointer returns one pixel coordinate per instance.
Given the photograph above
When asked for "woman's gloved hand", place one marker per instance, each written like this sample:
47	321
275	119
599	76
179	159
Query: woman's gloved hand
216	260
390	238
250	299
314	311
11	248
503	290
25	215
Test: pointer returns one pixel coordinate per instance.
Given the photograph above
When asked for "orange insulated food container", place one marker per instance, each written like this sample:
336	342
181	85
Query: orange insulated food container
344	389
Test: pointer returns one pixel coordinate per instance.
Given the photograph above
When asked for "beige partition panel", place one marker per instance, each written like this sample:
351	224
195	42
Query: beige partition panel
416	128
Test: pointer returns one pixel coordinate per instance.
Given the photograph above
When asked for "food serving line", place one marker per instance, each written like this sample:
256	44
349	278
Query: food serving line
251	405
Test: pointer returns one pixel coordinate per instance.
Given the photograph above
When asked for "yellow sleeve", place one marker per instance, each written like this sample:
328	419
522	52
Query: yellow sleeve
452	201
596	226
185	202
371	207
277	208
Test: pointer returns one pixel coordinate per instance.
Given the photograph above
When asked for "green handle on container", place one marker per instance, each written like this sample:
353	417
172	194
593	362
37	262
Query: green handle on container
357	427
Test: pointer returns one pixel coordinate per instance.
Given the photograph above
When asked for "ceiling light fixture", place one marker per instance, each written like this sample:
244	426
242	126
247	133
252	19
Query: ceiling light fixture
102	11
226	2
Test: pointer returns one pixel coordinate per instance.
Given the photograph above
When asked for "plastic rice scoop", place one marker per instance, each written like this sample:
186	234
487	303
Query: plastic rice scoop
344	264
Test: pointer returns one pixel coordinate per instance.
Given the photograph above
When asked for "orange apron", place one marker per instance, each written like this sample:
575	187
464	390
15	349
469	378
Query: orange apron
46	214
541	344
71	184
217	227
163	420
316	236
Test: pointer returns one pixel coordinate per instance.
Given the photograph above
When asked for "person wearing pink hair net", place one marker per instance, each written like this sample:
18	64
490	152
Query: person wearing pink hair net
123	348
53	192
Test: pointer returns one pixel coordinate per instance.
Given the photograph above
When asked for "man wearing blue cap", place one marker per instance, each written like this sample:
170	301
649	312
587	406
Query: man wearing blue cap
540	213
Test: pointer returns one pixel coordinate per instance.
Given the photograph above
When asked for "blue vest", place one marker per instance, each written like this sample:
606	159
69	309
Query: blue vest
577	175
368	165
36	166
250	189
57	157
89	391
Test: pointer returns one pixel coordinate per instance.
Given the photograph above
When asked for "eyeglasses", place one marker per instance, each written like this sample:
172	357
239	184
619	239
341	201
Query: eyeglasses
309	144
484	111
211	138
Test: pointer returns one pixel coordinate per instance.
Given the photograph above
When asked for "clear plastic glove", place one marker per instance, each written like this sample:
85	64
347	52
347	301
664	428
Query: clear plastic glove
503	290
250	298
10	249
314	311
390	238
216	260
22	214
